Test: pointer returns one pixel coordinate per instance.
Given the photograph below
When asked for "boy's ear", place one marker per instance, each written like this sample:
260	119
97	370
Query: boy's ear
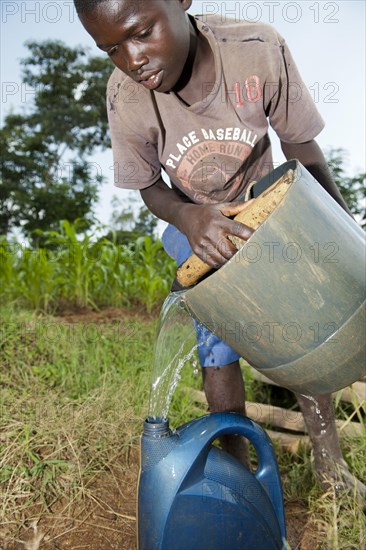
186	4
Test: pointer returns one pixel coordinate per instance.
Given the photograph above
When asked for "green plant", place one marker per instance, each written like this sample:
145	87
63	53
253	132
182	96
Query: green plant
79	270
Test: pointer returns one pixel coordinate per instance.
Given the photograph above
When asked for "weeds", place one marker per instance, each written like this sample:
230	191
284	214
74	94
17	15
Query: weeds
339	517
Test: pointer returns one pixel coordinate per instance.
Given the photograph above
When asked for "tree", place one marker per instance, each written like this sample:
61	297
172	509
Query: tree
45	172
70	90
352	187
131	220
146	222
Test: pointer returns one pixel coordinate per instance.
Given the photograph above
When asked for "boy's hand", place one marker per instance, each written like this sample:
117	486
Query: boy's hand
207	227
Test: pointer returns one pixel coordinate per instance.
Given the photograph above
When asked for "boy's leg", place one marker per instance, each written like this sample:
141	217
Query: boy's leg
225	392
329	463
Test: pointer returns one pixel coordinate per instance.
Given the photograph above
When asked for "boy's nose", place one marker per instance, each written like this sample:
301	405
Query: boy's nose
135	59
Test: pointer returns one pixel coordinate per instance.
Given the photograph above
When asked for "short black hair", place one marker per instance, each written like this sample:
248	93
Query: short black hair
87	6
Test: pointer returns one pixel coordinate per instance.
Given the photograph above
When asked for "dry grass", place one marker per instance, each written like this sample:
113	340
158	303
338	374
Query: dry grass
71	413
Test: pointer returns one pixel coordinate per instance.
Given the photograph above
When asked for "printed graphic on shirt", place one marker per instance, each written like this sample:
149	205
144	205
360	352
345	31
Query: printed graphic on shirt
208	161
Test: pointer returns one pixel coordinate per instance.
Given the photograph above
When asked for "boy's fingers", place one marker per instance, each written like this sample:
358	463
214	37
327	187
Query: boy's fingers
216	254
231	209
226	249
240	230
215	258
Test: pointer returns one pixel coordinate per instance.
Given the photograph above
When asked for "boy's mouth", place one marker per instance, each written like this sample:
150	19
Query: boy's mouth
153	81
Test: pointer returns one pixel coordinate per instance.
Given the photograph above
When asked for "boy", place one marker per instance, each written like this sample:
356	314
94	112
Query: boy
195	97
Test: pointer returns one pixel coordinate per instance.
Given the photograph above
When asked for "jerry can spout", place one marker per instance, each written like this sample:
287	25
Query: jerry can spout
156	427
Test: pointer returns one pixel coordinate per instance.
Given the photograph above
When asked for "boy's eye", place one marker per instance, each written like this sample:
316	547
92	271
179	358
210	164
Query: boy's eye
112	51
144	34
140	36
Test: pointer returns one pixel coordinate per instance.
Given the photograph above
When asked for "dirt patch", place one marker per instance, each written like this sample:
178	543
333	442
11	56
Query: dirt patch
107	519
106	315
297	518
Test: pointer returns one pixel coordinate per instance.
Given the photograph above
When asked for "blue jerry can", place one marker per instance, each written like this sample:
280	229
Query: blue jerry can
194	496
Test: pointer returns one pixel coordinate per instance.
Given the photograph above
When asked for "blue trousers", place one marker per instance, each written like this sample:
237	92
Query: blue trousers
212	351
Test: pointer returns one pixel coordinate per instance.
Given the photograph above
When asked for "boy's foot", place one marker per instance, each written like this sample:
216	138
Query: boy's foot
335	477
330	467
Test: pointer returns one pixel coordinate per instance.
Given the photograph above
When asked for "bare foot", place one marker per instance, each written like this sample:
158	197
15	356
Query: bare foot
335	478
330	466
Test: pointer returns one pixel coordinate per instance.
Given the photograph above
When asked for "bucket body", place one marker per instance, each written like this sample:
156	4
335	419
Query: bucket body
192	495
291	301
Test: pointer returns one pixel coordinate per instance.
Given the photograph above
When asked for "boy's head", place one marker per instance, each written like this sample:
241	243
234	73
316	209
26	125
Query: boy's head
149	40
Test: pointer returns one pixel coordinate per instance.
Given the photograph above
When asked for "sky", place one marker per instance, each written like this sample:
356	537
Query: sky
327	41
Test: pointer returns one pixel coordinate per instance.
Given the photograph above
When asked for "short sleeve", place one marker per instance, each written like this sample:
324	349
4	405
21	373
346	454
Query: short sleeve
136	163
292	112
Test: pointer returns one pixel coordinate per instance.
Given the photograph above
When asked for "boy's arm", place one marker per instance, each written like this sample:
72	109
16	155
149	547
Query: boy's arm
205	225
311	156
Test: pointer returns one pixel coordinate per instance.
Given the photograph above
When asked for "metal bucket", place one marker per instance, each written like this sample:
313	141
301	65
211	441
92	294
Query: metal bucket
292	299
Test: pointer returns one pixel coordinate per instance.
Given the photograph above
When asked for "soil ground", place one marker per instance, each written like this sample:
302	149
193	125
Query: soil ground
108	521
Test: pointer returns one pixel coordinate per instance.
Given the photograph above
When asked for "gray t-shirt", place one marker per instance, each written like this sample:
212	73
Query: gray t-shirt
212	149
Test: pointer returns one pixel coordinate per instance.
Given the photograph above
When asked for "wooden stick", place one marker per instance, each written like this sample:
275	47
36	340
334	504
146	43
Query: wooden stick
193	269
263	413
354	393
284	419
293	420
289	442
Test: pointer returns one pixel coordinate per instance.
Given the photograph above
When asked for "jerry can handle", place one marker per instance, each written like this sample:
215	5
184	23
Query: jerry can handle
212	426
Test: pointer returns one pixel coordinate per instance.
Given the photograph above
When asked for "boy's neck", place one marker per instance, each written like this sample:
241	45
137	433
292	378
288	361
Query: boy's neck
199	76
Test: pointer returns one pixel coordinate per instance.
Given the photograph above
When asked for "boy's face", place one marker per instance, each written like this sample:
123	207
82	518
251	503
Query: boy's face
148	40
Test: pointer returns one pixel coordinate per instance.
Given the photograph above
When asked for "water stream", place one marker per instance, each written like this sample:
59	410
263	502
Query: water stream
318	412
175	345
323	430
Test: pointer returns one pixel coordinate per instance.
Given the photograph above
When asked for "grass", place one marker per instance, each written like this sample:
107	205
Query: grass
342	521
73	397
69	405
74	394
